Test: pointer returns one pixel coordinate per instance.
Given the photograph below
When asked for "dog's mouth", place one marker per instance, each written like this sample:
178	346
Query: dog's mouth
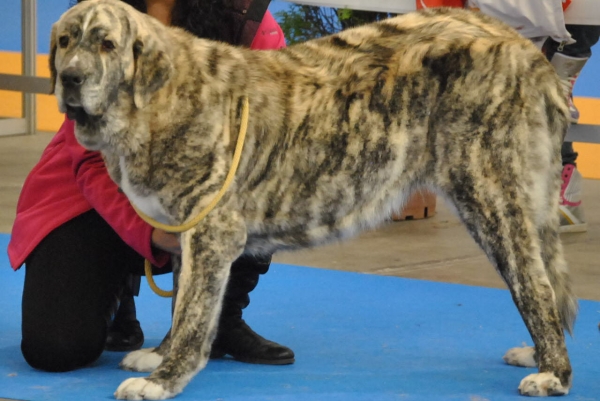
79	115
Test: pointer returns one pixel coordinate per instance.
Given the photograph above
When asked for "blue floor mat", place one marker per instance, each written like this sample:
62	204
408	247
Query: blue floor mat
356	337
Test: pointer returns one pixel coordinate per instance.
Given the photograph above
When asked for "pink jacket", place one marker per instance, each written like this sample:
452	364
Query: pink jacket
69	180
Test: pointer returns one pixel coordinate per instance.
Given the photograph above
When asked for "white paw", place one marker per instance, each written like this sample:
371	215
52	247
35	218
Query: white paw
521	356
138	388
541	385
143	360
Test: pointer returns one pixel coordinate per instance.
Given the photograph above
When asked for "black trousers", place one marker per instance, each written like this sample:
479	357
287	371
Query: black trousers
72	283
585	36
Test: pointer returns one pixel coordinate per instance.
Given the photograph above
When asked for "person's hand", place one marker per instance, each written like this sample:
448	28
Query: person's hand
166	241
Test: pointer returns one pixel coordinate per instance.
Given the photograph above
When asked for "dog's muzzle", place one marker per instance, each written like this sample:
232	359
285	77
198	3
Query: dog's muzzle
78	114
72	80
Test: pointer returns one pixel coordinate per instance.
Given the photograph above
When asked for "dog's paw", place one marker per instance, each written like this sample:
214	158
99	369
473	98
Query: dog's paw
143	360
542	385
138	388
521	356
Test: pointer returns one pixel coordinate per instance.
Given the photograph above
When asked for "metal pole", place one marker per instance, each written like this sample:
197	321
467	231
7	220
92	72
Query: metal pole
29	52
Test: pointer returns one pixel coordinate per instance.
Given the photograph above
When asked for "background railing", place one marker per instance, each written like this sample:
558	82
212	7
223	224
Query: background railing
27	83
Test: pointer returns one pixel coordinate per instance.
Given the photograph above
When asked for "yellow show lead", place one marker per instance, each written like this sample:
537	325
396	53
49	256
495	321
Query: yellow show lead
186	226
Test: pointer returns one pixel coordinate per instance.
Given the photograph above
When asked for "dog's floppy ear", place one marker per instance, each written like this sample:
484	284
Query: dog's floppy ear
153	68
52	58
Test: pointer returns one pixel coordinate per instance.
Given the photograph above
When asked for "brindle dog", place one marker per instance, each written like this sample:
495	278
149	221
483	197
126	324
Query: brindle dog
342	130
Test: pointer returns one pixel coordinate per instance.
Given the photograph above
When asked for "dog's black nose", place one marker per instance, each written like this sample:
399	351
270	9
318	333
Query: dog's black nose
72	77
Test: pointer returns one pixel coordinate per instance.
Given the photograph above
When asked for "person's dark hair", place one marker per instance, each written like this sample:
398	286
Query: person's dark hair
203	18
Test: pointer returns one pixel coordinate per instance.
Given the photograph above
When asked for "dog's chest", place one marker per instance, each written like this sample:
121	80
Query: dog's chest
150	205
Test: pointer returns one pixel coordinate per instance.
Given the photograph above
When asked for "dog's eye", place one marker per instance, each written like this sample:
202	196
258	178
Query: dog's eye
107	45
63	41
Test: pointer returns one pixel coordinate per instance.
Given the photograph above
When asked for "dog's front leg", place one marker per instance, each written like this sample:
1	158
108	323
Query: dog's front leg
148	359
208	251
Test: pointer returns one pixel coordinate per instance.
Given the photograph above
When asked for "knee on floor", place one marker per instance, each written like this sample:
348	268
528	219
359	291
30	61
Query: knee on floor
62	352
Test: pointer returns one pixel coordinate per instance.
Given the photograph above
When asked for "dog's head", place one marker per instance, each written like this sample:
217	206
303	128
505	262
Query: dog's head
105	55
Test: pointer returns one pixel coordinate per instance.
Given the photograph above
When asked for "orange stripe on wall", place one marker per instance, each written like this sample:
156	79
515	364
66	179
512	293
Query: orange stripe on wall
588	161
48	117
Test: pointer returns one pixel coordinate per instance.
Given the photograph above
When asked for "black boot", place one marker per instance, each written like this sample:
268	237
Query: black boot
125	332
234	336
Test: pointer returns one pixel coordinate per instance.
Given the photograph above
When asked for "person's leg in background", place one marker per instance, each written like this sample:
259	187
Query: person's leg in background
125	332
569	60
234	336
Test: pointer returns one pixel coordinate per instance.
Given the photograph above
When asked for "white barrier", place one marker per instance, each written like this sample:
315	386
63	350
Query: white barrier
26	83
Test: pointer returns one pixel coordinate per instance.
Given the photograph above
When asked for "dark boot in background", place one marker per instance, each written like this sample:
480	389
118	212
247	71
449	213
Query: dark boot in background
125	332
234	336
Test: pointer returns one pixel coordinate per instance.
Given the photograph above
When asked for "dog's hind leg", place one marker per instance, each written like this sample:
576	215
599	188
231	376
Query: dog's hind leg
498	211
566	301
556	267
148	359
208	251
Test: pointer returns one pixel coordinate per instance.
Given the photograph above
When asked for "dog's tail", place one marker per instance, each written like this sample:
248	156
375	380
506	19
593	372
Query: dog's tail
566	301
557	121
556	267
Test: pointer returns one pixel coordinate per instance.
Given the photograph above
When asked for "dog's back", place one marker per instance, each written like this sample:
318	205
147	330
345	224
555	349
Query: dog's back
362	118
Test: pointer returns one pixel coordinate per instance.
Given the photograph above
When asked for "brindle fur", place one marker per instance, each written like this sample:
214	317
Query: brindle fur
342	130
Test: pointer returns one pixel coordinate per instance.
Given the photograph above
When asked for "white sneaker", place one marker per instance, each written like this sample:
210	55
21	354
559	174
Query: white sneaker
568	69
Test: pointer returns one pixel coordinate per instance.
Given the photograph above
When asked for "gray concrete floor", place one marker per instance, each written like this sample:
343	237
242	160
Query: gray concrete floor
437	248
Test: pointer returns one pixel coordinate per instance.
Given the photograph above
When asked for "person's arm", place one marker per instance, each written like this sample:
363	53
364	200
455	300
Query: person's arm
104	196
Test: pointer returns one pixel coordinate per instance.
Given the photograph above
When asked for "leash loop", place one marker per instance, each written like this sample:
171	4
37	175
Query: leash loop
237	155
